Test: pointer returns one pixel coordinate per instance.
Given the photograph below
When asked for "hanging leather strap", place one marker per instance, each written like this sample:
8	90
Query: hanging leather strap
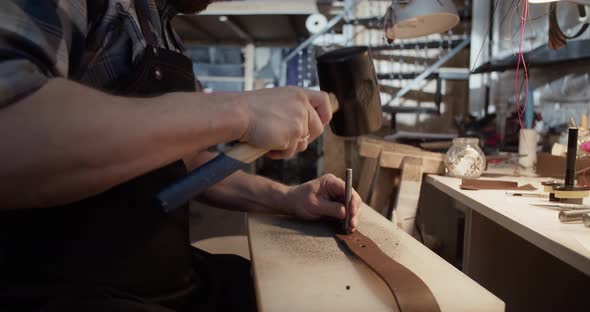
410	292
557	38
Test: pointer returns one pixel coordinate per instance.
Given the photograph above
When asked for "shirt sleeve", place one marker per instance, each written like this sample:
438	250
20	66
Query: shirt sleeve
36	43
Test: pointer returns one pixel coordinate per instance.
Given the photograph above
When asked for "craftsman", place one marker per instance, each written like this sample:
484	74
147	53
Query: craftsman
98	112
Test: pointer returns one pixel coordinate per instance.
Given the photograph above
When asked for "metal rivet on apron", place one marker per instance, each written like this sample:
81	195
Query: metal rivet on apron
158	73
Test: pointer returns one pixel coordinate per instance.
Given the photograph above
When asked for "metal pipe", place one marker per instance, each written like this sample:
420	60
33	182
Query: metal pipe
235	28
249	55
348	195
572	215
572	150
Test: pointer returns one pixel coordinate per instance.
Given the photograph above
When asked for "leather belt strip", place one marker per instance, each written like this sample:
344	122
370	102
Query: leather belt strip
409	291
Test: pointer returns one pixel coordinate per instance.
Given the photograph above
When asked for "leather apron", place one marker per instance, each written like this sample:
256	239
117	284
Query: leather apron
116	239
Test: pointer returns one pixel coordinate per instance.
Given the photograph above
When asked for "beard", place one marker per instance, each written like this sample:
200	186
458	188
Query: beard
191	6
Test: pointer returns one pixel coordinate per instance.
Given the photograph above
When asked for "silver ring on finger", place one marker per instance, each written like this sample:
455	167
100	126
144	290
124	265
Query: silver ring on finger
306	137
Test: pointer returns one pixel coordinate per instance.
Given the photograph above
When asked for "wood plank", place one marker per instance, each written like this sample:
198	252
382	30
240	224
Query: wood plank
261	7
334	154
299	266
390	159
406	204
393	153
341	153
367	178
369	149
383	191
379	140
370	142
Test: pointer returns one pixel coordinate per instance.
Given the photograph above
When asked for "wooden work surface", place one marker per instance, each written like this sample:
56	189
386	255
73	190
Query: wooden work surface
539	226
299	266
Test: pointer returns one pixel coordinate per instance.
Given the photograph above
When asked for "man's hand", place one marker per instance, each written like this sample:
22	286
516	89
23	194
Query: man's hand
285	120
323	197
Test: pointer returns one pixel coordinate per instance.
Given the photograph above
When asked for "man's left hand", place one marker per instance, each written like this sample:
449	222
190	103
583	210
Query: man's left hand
321	197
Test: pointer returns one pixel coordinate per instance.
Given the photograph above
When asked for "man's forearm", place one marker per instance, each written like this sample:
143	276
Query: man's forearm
242	191
57	149
248	192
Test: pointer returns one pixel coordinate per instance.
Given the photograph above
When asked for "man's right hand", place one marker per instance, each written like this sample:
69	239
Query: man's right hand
285	120
63	149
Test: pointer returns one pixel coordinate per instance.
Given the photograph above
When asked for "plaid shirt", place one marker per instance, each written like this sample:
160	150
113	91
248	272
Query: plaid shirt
42	39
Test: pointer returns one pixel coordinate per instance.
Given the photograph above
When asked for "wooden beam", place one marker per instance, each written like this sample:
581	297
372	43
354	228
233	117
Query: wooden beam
261	7
406	204
191	23
294	31
368	145
238	43
392	154
367	177
383	191
429	164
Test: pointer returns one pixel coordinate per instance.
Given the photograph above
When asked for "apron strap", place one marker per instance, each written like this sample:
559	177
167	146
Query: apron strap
147	28
95	10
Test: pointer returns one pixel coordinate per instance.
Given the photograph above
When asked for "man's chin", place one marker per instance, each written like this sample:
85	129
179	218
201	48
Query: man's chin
191	6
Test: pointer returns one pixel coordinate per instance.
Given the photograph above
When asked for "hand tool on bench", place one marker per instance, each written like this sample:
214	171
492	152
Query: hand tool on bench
561	206
568	192
347	74
347	197
572	215
520	194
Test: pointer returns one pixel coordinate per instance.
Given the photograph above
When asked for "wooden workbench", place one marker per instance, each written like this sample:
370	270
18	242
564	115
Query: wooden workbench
299	266
540	226
521	253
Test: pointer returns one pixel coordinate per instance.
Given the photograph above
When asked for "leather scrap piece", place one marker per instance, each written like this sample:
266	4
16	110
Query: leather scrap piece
474	185
409	291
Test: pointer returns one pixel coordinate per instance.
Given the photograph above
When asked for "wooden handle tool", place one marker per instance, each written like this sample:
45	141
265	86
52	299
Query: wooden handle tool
215	170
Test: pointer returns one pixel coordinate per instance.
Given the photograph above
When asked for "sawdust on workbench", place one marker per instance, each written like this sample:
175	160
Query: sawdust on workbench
314	241
306	242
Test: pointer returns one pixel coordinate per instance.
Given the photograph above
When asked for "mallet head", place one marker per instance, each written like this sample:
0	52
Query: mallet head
349	74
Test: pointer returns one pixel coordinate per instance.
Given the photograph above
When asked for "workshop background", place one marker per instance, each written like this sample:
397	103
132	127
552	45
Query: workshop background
434	88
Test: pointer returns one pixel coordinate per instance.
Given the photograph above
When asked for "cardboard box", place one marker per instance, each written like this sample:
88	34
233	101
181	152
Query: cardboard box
554	166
